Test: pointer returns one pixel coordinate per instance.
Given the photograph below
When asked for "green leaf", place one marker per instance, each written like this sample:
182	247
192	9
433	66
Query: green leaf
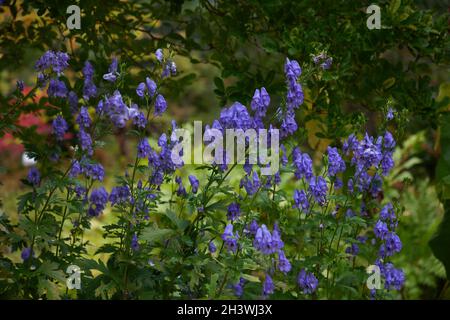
250	278
394	6
440	243
154	234
48	288
50	269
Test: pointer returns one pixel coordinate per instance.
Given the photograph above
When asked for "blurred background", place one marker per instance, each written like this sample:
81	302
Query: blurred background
224	50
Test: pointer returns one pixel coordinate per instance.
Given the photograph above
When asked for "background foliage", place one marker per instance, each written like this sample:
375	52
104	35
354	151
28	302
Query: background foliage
404	66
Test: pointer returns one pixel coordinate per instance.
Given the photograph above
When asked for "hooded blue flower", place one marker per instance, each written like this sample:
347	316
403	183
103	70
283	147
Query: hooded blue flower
58	61
394	278
268	286
307	282
160	105
327	63
260	102
98	200
143	149
239	287
119	195
235	117
234	210
89	88
318	188
301	200
94	171
112	74
34	176
57	89
387	213
83	119
26	254
229	238
85	141
72	98
212	247
283	263
139	120
335	162
302	163
59	127
194	183
380	230
135	242
392	244
288	125
159	55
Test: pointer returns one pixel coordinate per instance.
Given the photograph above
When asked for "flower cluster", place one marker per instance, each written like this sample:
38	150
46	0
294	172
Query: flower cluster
336	199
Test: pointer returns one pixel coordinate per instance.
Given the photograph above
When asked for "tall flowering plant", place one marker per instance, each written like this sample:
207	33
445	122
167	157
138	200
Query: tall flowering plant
308	230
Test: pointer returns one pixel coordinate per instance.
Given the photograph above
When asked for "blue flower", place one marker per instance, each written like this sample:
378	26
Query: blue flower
34	176
143	149
139	120
239	287
75	169
160	105
119	195
394	278
353	249
295	96
390	114
302	163
292	70
301	200
229	238
327	63
149	86
288	125
94	171
85	141
260	102
380	230
318	188
212	247
73	102
159	55
59	127
57	89
134	243
83	118
335	162
58	61
98	200
89	88
181	190
366	154
392	244
194	183
307	281
251	185
26	254
112	74
140	90
235	117
268	286
20	85
284	158
266	242
116	109
234	210
387	213
283	263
